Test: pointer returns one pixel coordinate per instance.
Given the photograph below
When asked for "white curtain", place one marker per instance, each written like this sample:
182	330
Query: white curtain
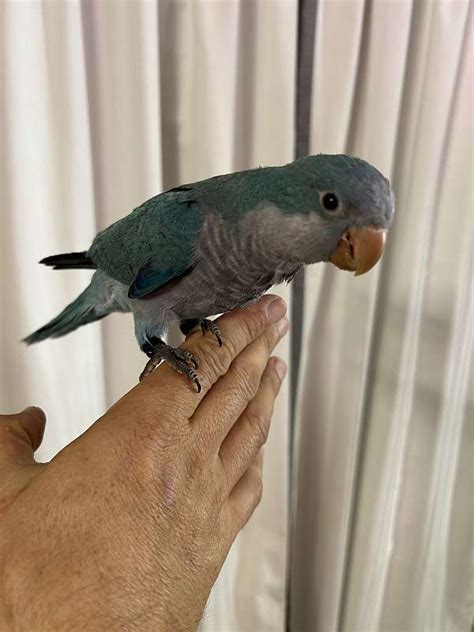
383	509
104	104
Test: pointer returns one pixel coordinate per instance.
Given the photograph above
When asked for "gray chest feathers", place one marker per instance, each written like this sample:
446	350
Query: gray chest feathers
233	265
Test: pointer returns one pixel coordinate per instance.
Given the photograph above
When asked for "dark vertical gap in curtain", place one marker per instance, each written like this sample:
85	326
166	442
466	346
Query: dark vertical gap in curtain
307	10
304	73
168	42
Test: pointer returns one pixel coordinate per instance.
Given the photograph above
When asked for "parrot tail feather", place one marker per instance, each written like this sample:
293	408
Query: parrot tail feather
79	312
70	260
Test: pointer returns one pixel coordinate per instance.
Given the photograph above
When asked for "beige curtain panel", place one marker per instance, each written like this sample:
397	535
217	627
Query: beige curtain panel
367	518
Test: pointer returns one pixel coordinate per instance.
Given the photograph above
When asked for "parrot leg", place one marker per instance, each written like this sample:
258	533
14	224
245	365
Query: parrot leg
187	325
206	325
157	350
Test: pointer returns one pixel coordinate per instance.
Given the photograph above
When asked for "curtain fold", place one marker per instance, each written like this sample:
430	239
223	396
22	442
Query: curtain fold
46	206
122	60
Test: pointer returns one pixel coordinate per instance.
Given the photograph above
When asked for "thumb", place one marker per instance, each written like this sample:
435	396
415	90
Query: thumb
20	435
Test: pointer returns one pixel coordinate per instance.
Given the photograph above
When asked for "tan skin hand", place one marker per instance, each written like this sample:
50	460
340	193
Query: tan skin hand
128	527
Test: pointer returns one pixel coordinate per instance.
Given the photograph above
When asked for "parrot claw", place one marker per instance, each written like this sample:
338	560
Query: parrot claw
177	358
186	356
210	325
188	325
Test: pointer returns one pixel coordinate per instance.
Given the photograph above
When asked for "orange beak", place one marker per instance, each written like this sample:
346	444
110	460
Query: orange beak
359	249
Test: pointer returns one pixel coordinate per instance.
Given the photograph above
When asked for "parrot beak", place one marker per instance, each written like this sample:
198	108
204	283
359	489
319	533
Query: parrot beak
359	249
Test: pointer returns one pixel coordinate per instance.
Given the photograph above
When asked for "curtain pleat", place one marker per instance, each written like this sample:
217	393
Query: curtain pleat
46	207
122	60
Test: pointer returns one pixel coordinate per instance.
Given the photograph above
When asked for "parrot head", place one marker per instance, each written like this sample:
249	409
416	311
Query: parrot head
348	208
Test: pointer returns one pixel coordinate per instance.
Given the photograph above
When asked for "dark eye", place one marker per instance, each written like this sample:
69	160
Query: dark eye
330	201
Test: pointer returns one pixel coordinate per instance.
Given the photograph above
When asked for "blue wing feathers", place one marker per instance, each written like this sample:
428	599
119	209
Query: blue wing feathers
152	245
179	237
150	279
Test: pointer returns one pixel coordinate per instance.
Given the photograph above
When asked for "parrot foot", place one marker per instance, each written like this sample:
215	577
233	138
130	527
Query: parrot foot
210	325
157	351
188	325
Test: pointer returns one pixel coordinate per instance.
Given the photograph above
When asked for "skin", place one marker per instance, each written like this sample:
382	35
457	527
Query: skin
128	527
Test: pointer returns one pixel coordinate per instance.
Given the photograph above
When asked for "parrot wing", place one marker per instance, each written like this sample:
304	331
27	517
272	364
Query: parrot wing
151	277
153	245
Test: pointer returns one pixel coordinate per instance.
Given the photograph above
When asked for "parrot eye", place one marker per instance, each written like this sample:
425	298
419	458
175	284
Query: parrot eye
330	201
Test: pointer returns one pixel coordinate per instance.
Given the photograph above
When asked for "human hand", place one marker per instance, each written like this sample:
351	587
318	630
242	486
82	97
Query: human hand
128	527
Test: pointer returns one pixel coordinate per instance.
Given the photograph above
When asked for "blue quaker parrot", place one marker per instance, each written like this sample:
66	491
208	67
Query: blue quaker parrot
211	246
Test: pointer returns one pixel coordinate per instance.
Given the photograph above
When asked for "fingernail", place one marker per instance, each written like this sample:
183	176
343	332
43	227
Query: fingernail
276	309
280	367
282	327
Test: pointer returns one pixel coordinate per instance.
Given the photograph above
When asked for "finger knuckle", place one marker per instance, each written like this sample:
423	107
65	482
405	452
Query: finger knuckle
270	338
247	377
216	361
259	422
257	491
273	381
253	498
253	324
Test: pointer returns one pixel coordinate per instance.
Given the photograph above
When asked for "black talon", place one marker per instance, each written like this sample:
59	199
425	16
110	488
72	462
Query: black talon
187	325
210	325
194	378
217	334
193	361
186	356
196	383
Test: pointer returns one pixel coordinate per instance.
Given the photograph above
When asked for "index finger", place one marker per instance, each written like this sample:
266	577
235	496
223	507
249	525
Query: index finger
238	329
